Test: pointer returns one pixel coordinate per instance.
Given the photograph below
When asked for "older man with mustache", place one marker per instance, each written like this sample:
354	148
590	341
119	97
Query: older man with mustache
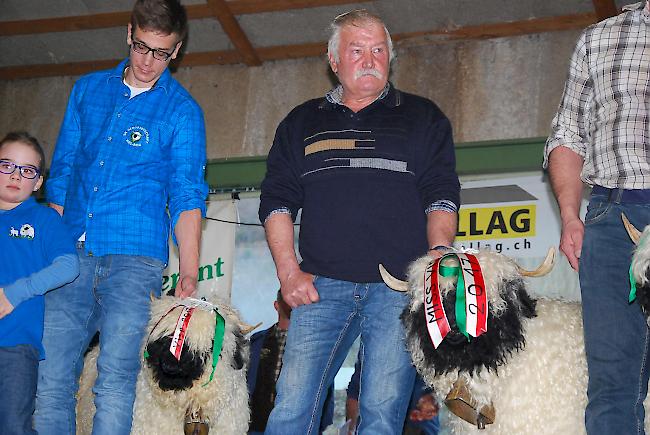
373	170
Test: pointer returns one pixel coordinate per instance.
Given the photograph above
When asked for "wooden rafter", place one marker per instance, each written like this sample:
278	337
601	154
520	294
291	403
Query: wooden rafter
231	27
118	19
227	57
241	7
605	9
499	30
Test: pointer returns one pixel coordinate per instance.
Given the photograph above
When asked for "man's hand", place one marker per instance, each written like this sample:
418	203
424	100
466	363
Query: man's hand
564	167
351	414
186	287
298	289
434	253
571	241
427	408
5	306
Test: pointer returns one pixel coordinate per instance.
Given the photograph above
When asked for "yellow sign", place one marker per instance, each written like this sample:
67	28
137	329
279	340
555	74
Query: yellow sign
499	222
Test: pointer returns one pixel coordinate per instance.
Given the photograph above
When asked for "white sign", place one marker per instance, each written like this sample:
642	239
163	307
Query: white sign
518	217
514	216
217	253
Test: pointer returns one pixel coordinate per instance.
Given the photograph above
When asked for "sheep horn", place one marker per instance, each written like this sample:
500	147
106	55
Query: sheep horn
248	328
634	234
391	281
543	268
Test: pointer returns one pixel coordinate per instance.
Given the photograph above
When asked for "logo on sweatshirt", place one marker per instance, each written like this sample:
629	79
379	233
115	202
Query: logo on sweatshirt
136	136
26	232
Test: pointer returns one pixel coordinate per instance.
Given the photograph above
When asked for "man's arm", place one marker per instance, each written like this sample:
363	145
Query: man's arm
441	229
187	193
564	171
297	286
188	237
65	151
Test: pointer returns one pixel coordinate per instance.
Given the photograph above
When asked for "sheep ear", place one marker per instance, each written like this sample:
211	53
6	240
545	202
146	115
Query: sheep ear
634	234
391	281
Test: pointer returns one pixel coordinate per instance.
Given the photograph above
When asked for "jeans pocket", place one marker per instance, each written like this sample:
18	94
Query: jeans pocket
151	262
597	211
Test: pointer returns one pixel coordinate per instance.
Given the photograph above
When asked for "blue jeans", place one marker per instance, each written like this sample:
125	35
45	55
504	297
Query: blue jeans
18	373
318	341
616	333
112	296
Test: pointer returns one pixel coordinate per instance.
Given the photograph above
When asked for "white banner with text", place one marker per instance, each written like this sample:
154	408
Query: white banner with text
217	252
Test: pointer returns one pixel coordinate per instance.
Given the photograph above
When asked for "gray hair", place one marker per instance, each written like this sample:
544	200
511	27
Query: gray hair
355	18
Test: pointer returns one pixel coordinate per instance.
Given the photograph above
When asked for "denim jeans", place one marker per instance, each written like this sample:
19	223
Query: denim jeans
18	373
616	333
112	296
318	341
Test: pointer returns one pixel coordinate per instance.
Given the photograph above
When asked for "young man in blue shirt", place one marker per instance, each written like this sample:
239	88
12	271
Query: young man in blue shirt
129	160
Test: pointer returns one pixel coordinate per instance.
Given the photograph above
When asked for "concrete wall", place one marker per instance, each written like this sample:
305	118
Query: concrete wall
500	88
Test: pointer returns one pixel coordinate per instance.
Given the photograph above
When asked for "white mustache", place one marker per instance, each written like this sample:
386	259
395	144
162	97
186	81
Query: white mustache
365	72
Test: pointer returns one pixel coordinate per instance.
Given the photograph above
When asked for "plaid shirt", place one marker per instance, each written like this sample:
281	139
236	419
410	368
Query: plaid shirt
120	162
604	115
281	337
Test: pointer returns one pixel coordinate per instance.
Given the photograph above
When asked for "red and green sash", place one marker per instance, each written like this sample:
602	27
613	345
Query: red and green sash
471	301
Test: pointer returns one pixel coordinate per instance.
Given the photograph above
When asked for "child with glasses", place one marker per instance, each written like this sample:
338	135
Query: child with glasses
37	255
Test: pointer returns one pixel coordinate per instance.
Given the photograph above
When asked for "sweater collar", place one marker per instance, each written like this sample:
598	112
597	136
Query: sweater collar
390	96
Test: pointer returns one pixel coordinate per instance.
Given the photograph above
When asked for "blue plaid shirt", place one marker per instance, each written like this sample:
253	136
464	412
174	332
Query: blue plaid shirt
122	168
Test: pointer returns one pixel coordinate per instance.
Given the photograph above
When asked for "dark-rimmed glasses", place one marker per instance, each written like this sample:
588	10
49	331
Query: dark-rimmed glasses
142	48
29	172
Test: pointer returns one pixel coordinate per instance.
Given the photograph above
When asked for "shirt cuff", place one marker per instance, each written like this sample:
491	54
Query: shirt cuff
442	205
281	210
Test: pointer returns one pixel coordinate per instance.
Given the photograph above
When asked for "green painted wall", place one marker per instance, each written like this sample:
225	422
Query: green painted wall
489	157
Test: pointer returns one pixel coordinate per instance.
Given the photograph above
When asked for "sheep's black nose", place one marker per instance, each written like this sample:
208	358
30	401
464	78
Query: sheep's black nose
455	338
170	366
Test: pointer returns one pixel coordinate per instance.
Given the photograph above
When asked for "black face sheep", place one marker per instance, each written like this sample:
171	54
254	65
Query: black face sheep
196	383
507	362
640	268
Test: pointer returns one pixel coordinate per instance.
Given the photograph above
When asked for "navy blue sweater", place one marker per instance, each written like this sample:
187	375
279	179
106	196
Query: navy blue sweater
363	181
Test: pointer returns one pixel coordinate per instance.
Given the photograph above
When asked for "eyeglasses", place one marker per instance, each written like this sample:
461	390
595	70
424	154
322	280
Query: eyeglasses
142	48
29	172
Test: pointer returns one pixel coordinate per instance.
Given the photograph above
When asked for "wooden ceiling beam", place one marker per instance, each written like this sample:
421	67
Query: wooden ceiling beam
242	7
118	19
499	30
64	24
605	9
229	57
233	30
